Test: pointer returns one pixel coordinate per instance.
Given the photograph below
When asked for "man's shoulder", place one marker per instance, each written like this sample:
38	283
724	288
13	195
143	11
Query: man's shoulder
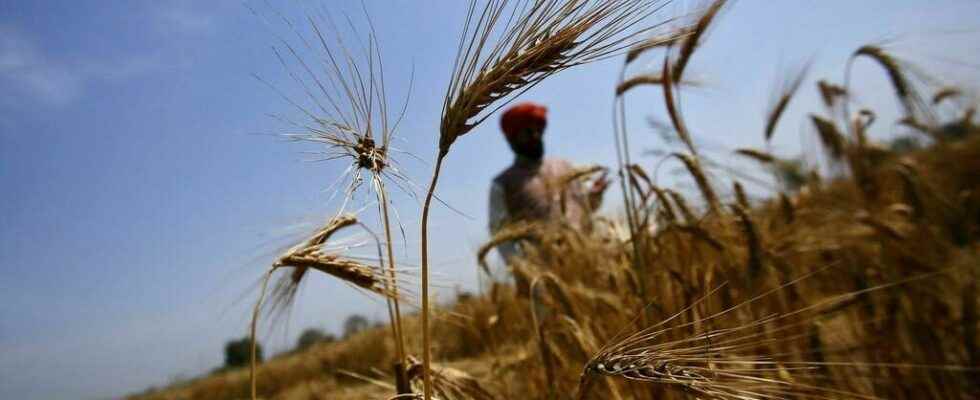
548	165
506	173
558	165
560	162
502	175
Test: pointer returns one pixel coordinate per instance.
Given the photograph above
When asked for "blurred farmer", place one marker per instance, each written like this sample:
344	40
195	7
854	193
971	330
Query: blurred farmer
534	188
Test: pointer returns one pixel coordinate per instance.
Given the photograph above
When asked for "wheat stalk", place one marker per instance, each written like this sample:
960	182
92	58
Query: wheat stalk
892	67
350	117
734	363
787	208
829	92
691	42
654	78
655	42
310	255
694	168
760	156
536	40
911	189
664	203
681	205
753	242
448	383
785	94
511	232
740	198
830	136
672	109
637	223
914	106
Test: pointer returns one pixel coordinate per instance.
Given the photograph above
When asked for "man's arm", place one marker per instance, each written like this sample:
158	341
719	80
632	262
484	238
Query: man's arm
498	208
498	217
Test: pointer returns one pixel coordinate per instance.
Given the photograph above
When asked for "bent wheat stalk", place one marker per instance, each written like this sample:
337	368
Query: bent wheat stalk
915	107
654	78
737	362
349	117
310	255
785	94
510	233
675	70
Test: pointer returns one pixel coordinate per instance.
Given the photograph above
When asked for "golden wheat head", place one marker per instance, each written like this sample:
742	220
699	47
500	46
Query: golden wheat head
537	39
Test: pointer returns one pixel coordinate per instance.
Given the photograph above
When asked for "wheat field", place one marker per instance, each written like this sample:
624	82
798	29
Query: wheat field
858	281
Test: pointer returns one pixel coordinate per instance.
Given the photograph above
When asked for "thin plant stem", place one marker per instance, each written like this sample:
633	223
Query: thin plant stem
255	319
672	108
633	210
390	286
397	320
426	348
623	160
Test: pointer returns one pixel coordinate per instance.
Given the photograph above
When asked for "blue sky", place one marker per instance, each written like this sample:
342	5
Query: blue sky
139	206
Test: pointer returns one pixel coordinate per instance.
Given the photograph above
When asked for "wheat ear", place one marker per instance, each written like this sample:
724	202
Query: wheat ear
536	40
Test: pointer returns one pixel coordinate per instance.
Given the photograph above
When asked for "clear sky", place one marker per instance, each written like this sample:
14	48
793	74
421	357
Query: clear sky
138	206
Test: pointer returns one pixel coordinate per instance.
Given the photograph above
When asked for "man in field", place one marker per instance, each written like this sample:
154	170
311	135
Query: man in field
534	188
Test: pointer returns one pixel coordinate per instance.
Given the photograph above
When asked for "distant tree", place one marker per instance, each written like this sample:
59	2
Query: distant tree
905	144
238	353
313	336
354	324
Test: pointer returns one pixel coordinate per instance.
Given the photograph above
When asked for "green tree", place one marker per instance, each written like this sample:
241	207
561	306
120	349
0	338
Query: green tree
238	353
313	336
354	324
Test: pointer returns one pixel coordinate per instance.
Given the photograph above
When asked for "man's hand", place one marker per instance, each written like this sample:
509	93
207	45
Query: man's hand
601	184
598	188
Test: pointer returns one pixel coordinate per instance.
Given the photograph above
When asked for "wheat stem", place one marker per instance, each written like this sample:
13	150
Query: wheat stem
632	210
426	334
397	318
672	109
252	326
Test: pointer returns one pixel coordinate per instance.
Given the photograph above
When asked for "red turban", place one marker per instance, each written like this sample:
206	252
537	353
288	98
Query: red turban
522	116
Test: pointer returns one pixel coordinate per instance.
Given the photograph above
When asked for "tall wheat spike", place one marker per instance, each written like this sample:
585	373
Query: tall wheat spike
350	117
534	40
688	45
621	136
693	41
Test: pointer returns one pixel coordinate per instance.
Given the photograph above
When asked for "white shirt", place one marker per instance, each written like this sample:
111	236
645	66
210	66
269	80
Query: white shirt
498	218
